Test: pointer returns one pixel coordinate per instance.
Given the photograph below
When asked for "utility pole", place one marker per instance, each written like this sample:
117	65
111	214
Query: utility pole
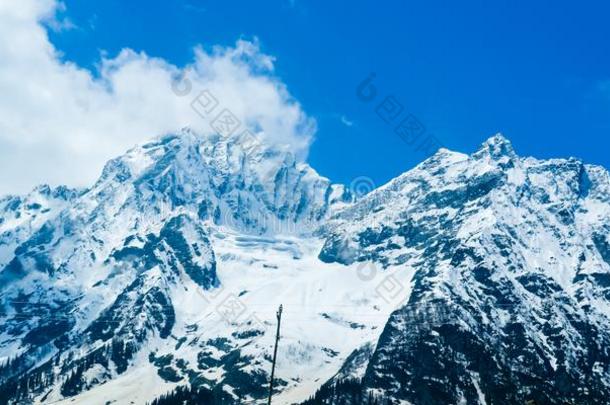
277	339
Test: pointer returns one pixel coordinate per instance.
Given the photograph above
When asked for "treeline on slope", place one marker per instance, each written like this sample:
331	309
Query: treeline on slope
13	366
345	392
19	385
188	395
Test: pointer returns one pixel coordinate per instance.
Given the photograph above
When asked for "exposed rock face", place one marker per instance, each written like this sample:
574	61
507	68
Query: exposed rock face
503	264
509	300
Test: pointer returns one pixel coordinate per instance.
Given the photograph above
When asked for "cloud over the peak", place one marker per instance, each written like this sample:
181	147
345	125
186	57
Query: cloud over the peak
59	123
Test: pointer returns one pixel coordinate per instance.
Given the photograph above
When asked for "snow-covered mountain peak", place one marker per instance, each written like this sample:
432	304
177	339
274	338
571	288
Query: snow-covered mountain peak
497	148
233	181
489	192
500	242
492	265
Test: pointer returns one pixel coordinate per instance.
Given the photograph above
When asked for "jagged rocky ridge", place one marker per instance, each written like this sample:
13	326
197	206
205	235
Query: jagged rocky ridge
510	295
91	274
502	264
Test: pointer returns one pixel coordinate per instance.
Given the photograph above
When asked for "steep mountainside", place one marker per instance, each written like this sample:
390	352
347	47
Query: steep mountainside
510	296
20	216
89	280
469	279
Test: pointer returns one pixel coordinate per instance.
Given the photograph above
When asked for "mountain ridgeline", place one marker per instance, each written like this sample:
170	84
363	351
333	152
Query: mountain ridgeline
158	284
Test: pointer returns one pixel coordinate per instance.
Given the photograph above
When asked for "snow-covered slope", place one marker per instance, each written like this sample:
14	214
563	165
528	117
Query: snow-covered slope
481	278
20	217
111	272
510	296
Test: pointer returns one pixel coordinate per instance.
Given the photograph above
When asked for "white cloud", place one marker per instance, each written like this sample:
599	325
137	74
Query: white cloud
59	123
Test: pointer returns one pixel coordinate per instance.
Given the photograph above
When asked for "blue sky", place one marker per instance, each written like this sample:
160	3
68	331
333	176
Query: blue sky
539	73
